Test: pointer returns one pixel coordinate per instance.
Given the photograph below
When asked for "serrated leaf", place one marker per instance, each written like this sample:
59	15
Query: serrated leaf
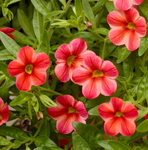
10	44
25	23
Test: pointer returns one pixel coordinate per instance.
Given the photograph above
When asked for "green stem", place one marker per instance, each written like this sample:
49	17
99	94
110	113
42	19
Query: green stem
10	146
51	91
65	9
103	49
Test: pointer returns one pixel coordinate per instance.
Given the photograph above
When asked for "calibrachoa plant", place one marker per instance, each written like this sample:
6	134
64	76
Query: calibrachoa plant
73	74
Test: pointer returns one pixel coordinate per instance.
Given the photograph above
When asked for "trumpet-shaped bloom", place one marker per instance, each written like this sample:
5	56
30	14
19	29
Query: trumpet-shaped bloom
69	57
8	31
4	112
29	68
118	116
96	76
125	4
67	110
127	28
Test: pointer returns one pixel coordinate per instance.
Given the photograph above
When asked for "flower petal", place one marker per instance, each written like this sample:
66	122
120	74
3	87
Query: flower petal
10	35
63	52
132	40
116	19
62	72
23	82
116	104
128	127
108	86
123	4
41	61
1	104
140	25
118	36
91	88
8	30
129	111
112	126
137	2
109	70
15	68
77	46
26	55
5	113
106	111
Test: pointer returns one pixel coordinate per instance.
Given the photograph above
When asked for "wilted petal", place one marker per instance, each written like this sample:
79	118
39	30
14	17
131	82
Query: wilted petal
62	72
108	86
77	46
23	82
15	68
41	61
26	55
106	111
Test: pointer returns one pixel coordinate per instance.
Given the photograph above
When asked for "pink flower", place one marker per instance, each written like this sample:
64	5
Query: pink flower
127	28
125	4
8	31
146	116
67	110
4	112
69	57
29	68
96	76
118	116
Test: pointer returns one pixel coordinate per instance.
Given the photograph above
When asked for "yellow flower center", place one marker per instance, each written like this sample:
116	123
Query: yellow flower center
28	69
70	60
118	114
131	26
72	110
0	117
97	73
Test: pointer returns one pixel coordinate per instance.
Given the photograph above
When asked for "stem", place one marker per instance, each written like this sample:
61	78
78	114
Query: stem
51	91
10	146
103	49
65	9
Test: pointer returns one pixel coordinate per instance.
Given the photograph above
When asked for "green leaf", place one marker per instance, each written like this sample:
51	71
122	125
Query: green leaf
43	140
89	133
105	145
116	145
4	141
53	13
89	13
78	7
110	6
17	144
144	8
103	31
94	111
38	25
79	142
45	130
142	91
5	55
40	6
21	99
13	132
143	46
142	127
123	53
141	114
10	44
21	38
12	2
25	23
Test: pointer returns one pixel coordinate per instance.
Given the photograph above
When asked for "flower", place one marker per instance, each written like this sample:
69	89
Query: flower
29	68
8	31
67	110
146	116
69	57
96	76
4	112
125	4
127	28
118	116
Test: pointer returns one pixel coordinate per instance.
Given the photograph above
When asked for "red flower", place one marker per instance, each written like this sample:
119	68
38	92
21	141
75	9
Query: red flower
4	112
8	31
29	68
118	116
146	116
125	4
96	76
67	110
127	28
69	57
